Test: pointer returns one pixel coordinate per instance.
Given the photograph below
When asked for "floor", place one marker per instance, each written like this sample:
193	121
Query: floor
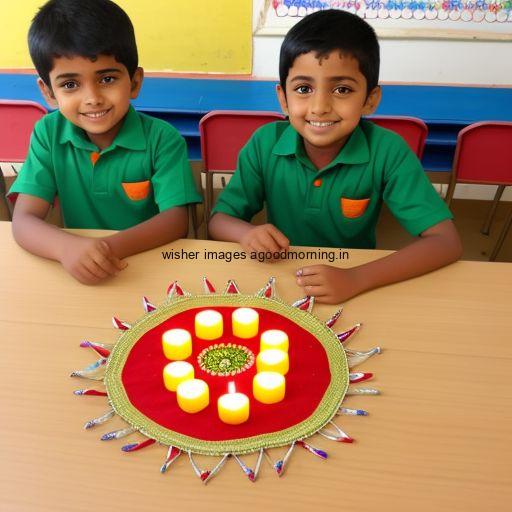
469	218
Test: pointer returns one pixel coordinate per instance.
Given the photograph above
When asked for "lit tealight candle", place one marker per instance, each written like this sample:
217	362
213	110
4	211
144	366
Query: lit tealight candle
268	387
193	395
233	407
245	322
274	338
177	372
272	360
177	344
208	324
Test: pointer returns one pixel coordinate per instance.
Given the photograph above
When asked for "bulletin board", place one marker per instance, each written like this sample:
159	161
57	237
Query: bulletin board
489	20
193	36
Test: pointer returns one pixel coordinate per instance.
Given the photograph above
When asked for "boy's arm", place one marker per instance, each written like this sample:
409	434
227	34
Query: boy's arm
252	238
163	228
438	246
89	260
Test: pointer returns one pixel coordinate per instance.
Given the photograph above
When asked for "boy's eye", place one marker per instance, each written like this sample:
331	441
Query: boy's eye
108	79
342	89
303	89
69	85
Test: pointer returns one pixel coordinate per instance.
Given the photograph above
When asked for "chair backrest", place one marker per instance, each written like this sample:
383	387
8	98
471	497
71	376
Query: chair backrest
412	129
17	119
225	132
484	153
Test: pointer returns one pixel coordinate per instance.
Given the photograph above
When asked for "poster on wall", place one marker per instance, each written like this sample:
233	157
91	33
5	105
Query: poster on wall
452	19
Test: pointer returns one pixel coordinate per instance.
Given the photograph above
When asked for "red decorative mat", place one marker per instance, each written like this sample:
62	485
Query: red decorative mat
316	383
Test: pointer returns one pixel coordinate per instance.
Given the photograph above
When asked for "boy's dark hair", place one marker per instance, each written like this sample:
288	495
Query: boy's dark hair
85	28
325	31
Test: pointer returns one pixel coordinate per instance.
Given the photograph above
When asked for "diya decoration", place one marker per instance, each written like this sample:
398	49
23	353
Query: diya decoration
210	398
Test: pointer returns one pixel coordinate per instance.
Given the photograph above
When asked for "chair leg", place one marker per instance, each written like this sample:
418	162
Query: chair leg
490	216
503	235
208	200
450	191
192	211
3	196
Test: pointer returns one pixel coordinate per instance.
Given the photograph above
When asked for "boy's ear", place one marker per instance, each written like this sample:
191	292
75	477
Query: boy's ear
47	93
281	96
372	102
137	79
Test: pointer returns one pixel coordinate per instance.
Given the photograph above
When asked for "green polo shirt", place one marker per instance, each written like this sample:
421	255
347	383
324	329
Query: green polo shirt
145	171
337	206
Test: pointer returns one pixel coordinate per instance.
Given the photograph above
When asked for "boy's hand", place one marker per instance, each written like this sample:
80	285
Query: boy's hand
90	260
264	238
329	285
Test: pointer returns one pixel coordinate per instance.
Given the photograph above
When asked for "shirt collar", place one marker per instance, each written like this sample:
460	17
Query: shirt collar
130	136
355	151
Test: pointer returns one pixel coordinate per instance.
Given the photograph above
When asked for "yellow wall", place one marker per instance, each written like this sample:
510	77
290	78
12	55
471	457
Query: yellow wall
172	35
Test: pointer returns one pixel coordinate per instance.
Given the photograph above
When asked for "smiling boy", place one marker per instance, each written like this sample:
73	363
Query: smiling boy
109	166
324	174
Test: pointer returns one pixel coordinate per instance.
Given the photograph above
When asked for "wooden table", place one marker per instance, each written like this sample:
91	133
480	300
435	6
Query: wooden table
438	438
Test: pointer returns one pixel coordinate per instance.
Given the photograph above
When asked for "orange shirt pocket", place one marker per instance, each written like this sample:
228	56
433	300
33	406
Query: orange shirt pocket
353	208
138	190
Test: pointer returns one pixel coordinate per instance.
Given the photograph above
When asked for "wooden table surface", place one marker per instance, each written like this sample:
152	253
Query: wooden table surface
437	438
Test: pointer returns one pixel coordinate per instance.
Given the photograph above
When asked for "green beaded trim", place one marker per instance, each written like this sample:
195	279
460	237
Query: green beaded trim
225	360
325	411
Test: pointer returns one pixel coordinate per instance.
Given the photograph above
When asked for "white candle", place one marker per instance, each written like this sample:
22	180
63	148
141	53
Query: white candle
269	387
209	324
245	322
177	372
177	344
274	338
193	395
233	407
273	360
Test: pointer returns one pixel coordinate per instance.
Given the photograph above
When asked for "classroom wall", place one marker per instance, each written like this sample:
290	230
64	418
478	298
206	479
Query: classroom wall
414	60
204	36
215	36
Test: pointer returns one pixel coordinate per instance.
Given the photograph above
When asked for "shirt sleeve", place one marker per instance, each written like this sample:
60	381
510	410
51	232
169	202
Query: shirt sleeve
409	194
172	180
244	195
37	176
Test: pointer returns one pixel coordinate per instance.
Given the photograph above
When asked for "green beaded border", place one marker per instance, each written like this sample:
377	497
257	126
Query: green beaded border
325	411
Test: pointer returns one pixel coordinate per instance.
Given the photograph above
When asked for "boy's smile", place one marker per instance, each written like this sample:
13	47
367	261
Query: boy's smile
94	95
325	99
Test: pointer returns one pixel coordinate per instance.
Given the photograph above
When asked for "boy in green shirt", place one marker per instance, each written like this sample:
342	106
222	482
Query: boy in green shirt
111	167
324	175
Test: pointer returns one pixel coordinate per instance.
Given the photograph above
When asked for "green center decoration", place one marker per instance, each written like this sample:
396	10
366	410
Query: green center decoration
225	360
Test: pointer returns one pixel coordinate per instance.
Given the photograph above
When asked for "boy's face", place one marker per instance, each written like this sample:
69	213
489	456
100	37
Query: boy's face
325	99
94	95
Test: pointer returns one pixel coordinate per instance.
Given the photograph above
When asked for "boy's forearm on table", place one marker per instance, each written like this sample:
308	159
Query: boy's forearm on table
227	228
422	256
163	228
38	237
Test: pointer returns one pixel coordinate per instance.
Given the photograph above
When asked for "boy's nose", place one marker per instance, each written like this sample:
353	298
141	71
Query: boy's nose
320	103
92	96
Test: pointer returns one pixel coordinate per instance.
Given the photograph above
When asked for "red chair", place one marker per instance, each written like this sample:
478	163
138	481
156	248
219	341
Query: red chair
412	129
17	120
484	156
223	134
